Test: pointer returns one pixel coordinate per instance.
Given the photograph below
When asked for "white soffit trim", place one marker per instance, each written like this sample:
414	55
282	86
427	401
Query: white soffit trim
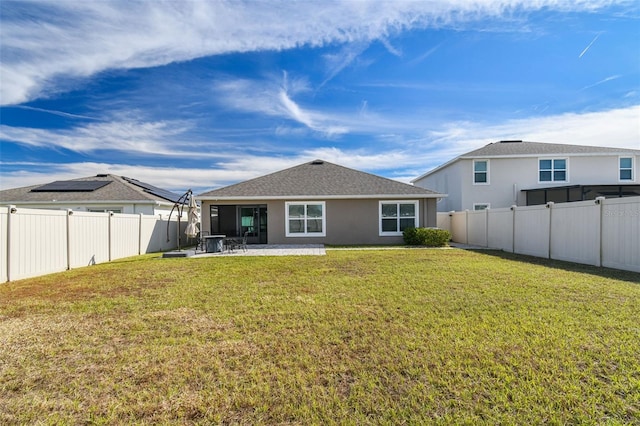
324	197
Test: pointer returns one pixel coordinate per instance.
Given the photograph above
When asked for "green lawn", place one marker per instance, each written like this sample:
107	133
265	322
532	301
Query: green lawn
354	337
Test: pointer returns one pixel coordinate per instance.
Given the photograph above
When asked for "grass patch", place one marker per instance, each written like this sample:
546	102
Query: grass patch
356	337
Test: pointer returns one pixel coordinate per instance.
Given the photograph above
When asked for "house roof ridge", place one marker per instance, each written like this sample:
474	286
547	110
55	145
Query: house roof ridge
531	148
316	178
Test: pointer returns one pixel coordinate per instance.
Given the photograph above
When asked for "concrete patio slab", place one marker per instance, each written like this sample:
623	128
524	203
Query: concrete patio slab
271	250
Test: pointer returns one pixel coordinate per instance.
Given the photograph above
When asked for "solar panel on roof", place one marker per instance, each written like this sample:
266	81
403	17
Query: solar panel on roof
154	190
72	186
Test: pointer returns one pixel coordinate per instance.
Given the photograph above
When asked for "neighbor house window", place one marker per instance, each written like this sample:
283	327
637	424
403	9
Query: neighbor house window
105	210
626	168
305	219
481	206
396	216
480	172
552	170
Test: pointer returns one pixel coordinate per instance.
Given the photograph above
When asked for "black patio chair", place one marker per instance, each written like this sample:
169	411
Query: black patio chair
202	242
233	244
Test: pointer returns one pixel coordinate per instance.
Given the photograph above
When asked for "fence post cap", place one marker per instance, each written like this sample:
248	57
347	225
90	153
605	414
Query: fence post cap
513	207
550	204
12	208
599	200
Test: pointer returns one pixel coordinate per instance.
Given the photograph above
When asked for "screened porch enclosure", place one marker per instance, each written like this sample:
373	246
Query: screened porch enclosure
235	220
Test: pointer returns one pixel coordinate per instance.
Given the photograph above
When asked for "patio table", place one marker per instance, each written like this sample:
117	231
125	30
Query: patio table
214	243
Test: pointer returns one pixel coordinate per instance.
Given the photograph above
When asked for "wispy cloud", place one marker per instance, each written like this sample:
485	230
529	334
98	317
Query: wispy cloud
276	98
425	55
58	113
429	148
604	80
616	128
338	61
46	43
134	137
390	48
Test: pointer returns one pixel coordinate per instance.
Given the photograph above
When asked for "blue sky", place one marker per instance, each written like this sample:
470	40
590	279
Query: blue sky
195	94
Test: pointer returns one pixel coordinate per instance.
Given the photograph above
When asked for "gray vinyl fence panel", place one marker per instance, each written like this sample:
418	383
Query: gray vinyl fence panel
125	236
621	234
87	235
477	228
36	242
459	227
531	225
574	235
601	232
500	232
4	242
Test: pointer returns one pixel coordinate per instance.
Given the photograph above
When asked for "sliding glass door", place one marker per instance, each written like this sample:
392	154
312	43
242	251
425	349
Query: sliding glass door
235	220
253	221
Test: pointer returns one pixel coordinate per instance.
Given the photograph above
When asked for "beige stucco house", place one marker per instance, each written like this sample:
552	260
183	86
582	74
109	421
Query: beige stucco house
318	203
100	193
507	173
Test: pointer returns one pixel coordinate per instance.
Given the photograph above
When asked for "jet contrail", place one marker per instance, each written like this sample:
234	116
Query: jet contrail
587	48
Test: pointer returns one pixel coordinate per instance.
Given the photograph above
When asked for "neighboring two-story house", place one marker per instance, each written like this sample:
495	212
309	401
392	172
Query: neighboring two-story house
507	173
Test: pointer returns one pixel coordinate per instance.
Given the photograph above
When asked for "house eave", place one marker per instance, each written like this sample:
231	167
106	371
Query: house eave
321	197
610	185
83	202
559	154
430	172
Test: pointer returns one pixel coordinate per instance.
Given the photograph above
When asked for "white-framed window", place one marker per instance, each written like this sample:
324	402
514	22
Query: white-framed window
625	173
481	172
105	210
396	216
553	170
481	206
305	219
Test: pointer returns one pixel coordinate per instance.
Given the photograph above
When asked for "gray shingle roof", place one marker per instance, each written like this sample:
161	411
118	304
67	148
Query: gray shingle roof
524	149
117	190
318	179
515	148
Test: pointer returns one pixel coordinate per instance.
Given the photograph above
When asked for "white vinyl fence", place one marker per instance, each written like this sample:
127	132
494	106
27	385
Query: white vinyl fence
602	232
36	242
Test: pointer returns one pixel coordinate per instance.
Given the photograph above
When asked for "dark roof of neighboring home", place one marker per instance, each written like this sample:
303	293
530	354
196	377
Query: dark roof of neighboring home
517	148
103	187
318	179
